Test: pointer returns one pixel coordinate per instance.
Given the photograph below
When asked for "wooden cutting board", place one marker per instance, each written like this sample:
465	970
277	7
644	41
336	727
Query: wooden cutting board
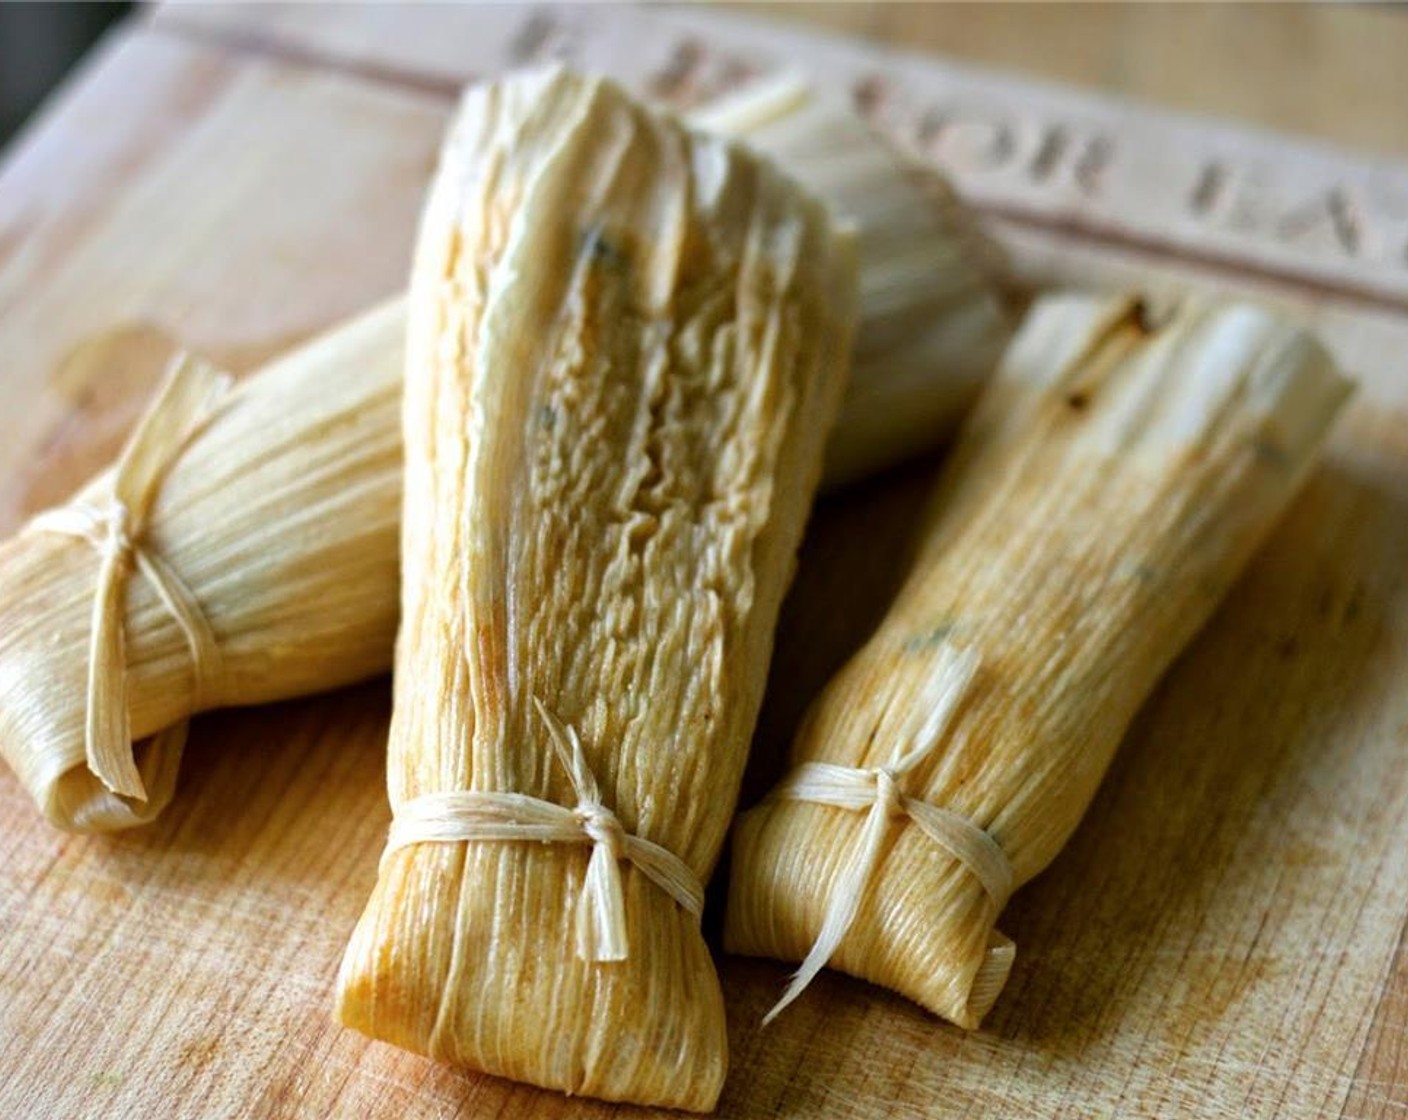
1225	935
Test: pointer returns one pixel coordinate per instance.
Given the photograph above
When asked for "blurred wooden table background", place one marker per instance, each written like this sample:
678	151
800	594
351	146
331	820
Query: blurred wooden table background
1333	71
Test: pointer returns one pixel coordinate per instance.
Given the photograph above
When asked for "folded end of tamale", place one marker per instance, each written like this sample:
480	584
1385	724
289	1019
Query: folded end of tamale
240	549
469	954
77	801
924	928
991	978
44	617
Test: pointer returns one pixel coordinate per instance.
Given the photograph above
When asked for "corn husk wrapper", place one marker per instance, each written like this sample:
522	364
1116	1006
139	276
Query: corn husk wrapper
272	512
933	319
1109	488
626	345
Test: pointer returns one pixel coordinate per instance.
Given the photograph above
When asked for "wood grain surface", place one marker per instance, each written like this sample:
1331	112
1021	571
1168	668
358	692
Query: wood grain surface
1225	936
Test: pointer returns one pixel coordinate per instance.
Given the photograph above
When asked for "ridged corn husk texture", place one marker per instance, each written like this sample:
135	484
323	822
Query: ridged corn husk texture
626	346
1109	488
278	513
933	322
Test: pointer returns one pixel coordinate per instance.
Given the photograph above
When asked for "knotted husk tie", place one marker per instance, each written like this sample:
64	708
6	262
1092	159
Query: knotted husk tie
185	402
492	815
879	792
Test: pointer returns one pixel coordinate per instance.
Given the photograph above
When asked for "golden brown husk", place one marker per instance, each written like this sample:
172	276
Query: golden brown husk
626	346
1110	486
280	515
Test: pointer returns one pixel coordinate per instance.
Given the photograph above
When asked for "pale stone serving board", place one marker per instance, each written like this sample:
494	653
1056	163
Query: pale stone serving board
1224	936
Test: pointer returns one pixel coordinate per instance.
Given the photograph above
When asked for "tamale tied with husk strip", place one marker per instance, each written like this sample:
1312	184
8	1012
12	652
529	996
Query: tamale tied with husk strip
931	324
242	550
1110	486
627	343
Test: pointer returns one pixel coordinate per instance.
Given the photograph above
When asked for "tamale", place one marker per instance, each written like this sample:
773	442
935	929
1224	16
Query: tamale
933	320
626	345
1108	489
242	550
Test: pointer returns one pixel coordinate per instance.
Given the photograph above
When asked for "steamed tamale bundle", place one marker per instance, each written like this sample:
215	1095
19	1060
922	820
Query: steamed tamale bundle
241	550
932	319
1110	486
626	346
